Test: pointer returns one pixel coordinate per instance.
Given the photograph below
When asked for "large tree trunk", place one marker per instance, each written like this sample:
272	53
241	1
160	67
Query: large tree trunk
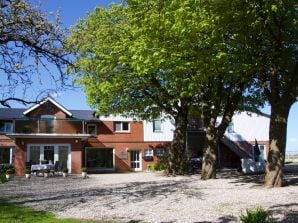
209	161
177	151
277	145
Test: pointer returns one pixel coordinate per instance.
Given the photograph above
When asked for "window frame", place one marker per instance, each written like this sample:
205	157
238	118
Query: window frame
154	125
121	125
95	129
6	124
157	151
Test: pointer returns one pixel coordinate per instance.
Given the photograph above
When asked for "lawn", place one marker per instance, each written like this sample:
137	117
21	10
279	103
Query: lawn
15	213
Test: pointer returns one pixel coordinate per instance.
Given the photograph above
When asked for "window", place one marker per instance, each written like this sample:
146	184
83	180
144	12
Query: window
91	129
157	125
230	128
4	155
121	126
148	154
160	152
260	154
47	117
6	127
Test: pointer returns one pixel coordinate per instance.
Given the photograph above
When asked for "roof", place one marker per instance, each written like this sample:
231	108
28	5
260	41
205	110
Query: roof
15	113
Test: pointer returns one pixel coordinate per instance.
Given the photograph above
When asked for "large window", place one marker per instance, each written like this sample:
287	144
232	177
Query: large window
5	155
6	127
157	125
97	158
121	127
34	154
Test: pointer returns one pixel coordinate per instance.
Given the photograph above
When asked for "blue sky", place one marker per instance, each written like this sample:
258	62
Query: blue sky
72	10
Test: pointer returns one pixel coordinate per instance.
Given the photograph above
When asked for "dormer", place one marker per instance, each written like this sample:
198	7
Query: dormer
48	109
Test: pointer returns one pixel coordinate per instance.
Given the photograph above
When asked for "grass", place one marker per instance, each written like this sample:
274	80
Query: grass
11	213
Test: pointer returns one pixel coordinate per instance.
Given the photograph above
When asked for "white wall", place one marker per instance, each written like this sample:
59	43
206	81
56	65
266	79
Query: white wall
249	126
165	135
116	118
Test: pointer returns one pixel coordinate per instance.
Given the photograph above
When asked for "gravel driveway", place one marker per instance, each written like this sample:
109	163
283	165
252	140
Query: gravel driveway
152	197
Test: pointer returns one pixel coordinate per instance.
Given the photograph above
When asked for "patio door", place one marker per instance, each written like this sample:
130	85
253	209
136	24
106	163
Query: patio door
135	160
50	153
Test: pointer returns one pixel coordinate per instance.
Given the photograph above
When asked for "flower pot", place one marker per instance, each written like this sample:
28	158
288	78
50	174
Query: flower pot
28	175
8	176
84	174
64	174
46	175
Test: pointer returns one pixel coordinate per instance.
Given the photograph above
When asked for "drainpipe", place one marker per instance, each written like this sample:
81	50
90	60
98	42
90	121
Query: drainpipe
218	154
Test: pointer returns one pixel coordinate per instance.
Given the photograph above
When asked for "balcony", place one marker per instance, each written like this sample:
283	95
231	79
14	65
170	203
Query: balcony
53	126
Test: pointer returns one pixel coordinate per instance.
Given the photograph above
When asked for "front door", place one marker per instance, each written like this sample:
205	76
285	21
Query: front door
135	160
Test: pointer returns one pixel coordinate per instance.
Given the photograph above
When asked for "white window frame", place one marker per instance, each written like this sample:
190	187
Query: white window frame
95	128
121	130
148	152
56	152
154	126
6	124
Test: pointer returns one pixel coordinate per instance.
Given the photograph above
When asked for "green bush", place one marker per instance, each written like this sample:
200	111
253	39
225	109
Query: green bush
2	178
27	171
65	170
84	169
258	215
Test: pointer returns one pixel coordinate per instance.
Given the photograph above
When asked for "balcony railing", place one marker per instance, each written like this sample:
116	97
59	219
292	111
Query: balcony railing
53	126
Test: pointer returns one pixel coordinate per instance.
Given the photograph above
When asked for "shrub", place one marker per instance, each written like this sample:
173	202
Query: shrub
9	171
256	215
2	178
65	170
84	169
27	171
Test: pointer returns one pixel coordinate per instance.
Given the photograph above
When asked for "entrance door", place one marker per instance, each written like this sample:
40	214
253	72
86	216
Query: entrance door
135	160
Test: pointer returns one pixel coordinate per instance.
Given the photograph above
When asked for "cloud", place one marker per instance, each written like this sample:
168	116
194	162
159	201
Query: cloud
55	94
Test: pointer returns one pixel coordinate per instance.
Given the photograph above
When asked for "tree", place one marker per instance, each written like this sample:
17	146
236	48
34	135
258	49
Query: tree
275	25
29	42
143	58
230	85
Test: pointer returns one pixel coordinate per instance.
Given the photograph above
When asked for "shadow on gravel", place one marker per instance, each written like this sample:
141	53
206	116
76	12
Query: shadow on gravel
223	219
290	176
111	196
288	211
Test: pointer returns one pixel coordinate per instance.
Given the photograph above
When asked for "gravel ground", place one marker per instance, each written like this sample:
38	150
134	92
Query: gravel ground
152	197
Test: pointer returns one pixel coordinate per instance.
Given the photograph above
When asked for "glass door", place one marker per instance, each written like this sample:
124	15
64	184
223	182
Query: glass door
49	152
63	152
135	160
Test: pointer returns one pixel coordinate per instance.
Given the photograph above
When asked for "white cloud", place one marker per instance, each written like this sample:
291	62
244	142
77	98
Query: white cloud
55	94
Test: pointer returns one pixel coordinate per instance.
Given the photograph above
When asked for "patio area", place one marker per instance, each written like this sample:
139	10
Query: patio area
153	197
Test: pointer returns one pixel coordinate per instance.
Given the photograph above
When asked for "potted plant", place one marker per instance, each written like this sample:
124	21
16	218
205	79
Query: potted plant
46	173
65	172
84	172
28	173
9	174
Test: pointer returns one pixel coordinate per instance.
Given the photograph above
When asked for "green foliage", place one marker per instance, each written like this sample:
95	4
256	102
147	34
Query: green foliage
159	166
65	170
2	178
27	171
258	215
10	212
84	169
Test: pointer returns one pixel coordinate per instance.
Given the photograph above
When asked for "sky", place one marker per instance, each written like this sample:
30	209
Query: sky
71	11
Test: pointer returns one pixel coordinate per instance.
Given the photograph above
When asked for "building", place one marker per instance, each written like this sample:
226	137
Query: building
78	138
